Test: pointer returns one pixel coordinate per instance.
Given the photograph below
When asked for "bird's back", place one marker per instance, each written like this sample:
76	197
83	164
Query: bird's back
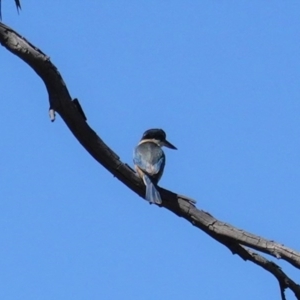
149	157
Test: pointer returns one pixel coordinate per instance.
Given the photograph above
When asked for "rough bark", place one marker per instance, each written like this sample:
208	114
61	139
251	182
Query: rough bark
61	102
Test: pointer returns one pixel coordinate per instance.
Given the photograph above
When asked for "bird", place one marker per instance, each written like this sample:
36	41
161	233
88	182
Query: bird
149	160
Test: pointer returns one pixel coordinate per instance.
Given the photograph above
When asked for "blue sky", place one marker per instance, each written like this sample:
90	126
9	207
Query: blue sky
221	78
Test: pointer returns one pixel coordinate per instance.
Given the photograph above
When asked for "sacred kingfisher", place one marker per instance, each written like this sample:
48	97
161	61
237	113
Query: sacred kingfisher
149	161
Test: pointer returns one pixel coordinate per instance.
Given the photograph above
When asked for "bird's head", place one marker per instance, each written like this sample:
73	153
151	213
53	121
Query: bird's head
158	136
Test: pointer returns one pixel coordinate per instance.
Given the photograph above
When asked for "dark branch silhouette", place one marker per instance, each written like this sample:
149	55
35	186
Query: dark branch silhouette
18	5
236	240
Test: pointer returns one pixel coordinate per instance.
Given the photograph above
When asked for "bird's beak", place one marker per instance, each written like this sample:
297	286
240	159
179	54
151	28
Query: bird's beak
169	145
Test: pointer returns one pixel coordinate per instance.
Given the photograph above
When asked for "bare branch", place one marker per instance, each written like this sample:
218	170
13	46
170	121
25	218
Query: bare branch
61	102
246	254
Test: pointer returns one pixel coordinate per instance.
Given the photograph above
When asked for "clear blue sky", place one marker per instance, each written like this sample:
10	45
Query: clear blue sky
222	79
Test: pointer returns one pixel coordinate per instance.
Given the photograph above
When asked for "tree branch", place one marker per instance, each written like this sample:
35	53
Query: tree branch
246	254
61	102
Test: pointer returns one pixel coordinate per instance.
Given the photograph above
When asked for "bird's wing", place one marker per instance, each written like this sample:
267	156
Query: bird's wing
150	160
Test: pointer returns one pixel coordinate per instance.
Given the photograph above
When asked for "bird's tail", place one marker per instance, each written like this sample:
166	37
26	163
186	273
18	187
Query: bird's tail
152	194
